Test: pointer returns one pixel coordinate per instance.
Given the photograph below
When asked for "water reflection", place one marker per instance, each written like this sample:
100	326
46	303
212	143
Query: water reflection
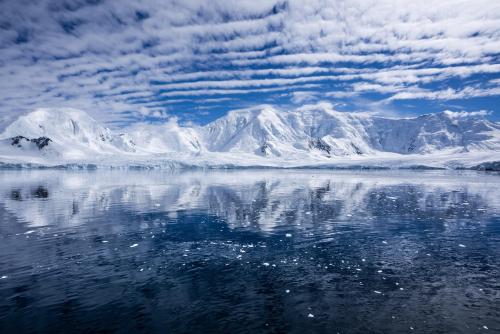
249	251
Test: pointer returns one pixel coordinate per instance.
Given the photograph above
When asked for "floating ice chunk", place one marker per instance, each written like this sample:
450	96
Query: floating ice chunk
377	292
384	242
29	232
3	277
266	264
134	245
105	241
485	327
461	245
287	291
288	235
310	315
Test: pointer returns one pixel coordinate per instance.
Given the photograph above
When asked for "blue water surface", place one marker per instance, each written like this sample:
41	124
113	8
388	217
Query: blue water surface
249	252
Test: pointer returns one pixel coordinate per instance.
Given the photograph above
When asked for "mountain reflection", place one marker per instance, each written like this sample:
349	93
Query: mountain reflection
258	201
377	252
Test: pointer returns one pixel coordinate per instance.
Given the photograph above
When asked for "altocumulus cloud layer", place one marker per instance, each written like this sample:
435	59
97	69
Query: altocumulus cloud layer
126	61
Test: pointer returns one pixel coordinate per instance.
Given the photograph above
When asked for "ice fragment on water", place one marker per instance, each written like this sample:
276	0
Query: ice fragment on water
134	245
310	315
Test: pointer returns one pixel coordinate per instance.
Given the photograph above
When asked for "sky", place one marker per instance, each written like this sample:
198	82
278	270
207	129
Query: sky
146	61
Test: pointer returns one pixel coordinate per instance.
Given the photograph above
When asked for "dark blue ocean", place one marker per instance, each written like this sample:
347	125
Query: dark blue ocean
249	252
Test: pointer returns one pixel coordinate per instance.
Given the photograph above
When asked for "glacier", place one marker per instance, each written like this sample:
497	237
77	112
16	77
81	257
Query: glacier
310	136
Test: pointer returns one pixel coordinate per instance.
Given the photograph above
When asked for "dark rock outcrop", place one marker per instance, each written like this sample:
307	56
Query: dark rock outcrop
40	142
320	144
17	140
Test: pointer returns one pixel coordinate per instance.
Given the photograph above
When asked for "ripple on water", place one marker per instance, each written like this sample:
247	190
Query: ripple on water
249	252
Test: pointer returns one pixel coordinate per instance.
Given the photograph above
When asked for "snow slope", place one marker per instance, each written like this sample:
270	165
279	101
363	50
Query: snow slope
73	134
312	135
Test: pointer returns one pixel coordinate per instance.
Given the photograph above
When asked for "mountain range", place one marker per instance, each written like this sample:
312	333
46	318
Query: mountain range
308	136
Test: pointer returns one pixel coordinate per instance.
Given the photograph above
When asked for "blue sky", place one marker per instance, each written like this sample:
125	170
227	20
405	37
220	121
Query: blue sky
136	61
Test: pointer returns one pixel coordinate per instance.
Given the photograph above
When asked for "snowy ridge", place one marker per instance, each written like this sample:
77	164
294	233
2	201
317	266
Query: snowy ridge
312	135
73	134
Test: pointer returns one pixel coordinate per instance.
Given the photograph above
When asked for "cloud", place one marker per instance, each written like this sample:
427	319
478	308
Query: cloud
465	114
117	60
300	97
446	94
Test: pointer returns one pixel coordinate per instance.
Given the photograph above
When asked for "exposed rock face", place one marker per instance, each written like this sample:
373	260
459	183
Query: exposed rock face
307	133
265	149
17	141
40	142
321	145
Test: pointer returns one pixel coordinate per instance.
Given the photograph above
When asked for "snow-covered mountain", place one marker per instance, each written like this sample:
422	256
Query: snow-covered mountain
72	134
309	135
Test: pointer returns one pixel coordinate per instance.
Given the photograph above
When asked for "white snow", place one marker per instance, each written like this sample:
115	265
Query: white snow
312	136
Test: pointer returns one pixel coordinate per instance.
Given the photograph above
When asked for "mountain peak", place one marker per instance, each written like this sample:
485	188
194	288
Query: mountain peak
315	131
72	131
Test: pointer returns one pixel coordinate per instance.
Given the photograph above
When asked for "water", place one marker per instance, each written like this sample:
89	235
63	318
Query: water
249	251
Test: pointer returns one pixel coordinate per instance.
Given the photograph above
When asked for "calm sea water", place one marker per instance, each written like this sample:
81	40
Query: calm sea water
249	252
